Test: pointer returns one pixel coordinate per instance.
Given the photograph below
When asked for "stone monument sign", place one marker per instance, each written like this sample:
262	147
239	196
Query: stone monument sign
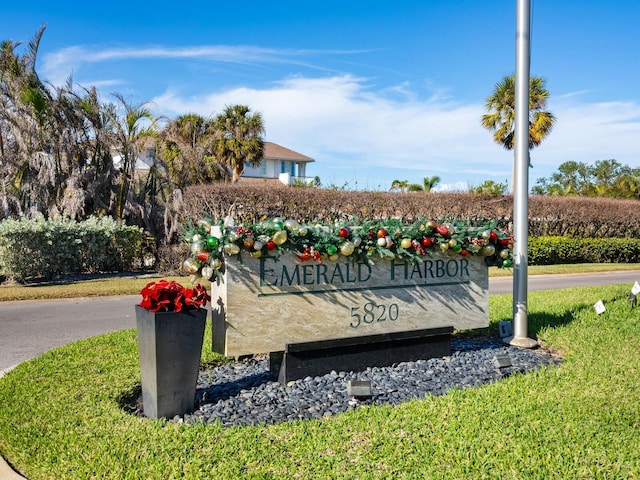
260	305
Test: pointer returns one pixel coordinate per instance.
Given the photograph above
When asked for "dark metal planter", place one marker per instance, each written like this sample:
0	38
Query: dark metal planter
169	347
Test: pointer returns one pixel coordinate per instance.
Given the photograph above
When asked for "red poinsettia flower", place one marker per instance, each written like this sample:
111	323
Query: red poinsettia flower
164	296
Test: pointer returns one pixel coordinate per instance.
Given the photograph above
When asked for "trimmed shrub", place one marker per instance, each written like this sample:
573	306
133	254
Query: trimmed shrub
567	250
548	215
39	248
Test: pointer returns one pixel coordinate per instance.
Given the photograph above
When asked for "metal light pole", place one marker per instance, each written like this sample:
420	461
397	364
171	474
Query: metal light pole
520	336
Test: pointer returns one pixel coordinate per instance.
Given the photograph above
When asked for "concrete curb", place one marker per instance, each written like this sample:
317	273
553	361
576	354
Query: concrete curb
7	473
7	370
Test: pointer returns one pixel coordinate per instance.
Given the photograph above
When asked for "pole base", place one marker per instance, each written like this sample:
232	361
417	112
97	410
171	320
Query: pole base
522	342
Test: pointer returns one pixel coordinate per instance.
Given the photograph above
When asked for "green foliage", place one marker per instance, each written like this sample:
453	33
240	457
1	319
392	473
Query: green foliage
565	250
366	242
238	139
605	178
501	108
39	248
399	185
489	187
315	182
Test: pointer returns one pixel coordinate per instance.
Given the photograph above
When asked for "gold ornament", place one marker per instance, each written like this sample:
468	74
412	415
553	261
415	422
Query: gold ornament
453	242
444	246
347	248
231	249
205	224
334	257
216	264
488	250
190	265
279	237
302	231
291	225
405	243
248	242
504	253
486	235
256	254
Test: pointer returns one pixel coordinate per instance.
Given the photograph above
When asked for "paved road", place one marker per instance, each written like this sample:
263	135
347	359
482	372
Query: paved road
553	282
29	328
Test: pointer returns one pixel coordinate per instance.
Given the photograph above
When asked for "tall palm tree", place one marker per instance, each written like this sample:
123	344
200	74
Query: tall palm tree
399	185
29	168
502	113
238	139
430	182
186	150
132	128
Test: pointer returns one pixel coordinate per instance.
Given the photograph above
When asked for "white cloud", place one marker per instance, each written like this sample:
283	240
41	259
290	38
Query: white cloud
587	132
342	116
357	130
57	65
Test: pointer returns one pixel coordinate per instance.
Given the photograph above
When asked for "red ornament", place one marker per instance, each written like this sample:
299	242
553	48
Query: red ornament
493	236
202	256
442	230
464	252
344	232
382	232
271	245
305	255
504	241
426	242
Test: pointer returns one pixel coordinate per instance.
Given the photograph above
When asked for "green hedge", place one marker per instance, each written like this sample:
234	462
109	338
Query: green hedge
567	250
39	248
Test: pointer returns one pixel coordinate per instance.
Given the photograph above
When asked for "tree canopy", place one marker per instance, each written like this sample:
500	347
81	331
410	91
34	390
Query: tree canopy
605	178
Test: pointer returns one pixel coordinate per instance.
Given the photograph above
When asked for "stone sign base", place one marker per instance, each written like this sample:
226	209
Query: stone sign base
315	358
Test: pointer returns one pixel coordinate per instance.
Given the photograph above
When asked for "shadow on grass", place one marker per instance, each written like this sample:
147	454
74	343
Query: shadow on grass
541	320
131	401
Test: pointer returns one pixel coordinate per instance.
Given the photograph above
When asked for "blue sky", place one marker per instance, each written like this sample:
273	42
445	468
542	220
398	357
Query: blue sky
374	91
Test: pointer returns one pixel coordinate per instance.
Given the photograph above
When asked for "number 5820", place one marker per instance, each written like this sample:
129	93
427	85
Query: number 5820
372	312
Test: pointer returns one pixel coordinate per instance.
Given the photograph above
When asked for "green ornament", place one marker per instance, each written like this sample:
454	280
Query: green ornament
332	250
212	242
506	263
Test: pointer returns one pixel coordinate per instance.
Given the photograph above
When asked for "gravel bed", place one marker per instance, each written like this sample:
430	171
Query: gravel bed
242	393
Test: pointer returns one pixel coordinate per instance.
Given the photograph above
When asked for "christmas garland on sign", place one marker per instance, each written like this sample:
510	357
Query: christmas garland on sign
210	243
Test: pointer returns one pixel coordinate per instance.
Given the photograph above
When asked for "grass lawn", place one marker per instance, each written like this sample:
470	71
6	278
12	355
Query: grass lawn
60	415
